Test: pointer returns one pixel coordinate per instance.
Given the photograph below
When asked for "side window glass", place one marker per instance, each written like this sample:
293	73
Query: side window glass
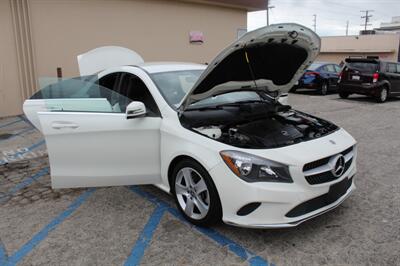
80	94
398	68
337	68
323	69
392	68
110	81
133	88
330	68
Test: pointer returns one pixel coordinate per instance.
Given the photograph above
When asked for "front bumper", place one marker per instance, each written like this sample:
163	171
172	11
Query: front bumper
306	217
276	200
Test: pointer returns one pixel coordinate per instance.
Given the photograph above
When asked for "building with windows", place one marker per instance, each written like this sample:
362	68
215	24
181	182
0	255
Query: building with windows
39	36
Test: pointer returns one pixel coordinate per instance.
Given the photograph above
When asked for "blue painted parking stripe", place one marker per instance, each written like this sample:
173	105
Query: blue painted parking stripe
145	237
26	120
222	240
37	144
39	237
10	123
26	182
3	254
19	133
29	149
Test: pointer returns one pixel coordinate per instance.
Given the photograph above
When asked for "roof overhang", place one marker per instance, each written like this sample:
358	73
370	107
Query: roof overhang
358	51
249	5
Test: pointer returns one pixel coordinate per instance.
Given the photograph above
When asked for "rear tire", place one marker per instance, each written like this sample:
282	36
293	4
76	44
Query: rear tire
383	95
344	95
203	207
324	88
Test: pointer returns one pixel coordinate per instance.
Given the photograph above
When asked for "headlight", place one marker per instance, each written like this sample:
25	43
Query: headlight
252	168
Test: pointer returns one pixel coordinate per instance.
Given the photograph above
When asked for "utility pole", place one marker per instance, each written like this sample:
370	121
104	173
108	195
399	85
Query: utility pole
315	22
366	17
268	8
347	28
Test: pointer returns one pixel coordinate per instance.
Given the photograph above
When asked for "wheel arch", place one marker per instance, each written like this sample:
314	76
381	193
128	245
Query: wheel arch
180	158
175	162
217	210
387	84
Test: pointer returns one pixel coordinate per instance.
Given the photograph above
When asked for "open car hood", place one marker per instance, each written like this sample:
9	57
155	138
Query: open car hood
270	59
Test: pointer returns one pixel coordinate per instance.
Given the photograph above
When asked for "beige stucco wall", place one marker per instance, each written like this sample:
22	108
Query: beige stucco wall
337	48
10	95
157	30
62	29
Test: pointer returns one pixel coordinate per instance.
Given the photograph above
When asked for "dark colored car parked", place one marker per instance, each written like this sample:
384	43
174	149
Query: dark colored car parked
320	76
371	77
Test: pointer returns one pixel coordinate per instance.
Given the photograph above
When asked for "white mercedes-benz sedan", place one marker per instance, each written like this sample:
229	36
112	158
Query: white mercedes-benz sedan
216	137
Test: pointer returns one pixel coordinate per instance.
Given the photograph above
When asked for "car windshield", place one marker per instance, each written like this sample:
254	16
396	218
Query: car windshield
176	84
314	66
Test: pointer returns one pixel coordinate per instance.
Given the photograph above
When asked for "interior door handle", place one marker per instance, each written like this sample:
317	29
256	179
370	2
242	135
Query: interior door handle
60	125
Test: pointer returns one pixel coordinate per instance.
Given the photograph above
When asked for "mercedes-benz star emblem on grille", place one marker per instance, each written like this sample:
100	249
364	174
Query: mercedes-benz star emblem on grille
339	165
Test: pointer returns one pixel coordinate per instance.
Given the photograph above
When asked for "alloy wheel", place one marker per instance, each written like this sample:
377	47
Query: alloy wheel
383	95
192	193
324	88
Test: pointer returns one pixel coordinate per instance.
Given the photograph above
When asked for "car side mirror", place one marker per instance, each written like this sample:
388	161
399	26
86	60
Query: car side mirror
135	109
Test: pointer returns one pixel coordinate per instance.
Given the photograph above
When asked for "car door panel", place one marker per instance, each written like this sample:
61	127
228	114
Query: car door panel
332	76
336	74
397	86
101	149
393	77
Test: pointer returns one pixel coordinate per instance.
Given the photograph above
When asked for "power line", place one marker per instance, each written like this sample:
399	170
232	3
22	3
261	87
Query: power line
315	22
366	17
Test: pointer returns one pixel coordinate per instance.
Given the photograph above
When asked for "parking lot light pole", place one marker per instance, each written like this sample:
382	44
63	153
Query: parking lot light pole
268	8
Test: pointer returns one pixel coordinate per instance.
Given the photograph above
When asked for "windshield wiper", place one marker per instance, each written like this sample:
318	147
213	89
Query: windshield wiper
241	103
222	105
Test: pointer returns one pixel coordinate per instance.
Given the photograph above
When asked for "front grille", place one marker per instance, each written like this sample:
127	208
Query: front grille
316	164
335	192
326	175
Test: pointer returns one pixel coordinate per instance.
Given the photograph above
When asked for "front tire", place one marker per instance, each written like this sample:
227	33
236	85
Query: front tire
344	95
383	95
195	194
324	88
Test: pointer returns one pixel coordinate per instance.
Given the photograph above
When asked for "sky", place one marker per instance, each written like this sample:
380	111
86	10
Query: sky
331	15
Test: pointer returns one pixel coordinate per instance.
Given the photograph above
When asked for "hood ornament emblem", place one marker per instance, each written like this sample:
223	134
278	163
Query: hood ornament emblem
338	166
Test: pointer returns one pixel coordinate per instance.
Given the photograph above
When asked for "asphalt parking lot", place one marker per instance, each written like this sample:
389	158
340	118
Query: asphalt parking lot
140	225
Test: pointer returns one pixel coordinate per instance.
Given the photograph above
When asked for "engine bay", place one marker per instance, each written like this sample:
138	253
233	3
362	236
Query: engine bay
256	125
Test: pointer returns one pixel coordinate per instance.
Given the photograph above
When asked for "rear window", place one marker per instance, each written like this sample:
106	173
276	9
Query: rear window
366	67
